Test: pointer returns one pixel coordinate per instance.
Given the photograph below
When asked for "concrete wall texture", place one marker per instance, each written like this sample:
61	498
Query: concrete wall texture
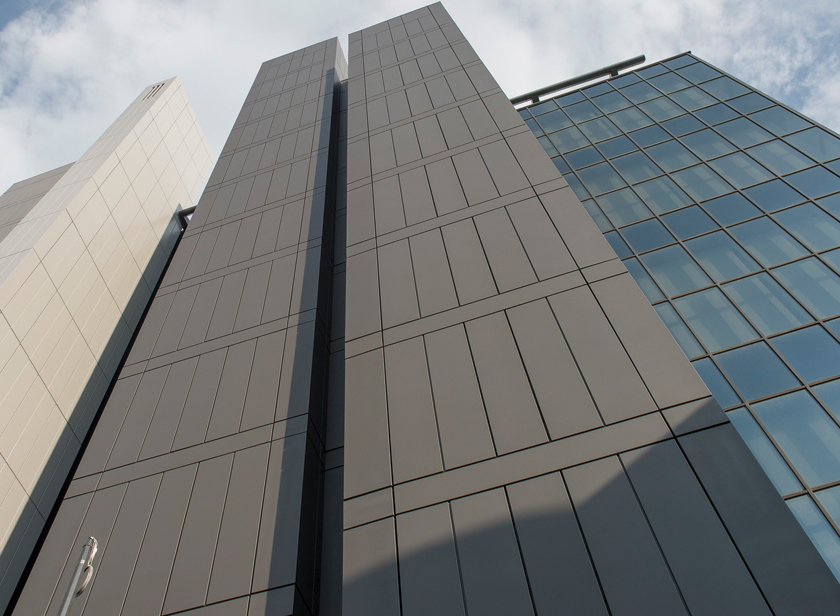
393	367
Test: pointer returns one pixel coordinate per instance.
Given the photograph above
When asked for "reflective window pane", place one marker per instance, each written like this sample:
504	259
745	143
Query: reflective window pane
750	102
815	182
669	82
636	167
805	433
811	226
662	195
724	88
764	451
600	178
731	208
649	136
832	204
597	89
721	256
639	92
682	125
767	304
812	352
830	499
675	271
576	186
816	143
768	242
779	120
568	139
535	128
743	133
779	157
583	157
611	102
543	107
618	244
680	61
716	114
561	165
688	343
689	222
813	284
620	82
646	235
717	384
623	207
553	121
597	215
773	195
671	155
829	394
714	319
756	371
833	259
616	147
692	98
547	146
599	129
701	182
818	530
651	71
707	144
580	112
740	170
661	109
568	99
630	119
643	279
698	73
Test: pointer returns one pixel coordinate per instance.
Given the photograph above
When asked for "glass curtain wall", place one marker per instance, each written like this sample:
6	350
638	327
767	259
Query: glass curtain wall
725	207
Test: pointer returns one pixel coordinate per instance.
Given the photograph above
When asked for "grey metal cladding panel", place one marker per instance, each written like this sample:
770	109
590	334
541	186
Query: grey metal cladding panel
360	215
435	289
293	393
417	196
514	417
410	72
152	324
507	118
388	205
760	524
276	602
556	558
411	414
508	260
289	233
460	85
429	578
230	399
475	179
371	585
491	566
565	403
473	279
279	181
481	125
430	136
382	155
357	123
191	571
277	544
243	188
335	399
418	99
428	65
224	314
201	254
181	258
406	146
366	440
374	84
261	398
481	78
245	240
464	432
116	566
102	442
577	228
236	548
547	252
196	416
139	417
358	160
279	293
377	113
259	192
398	109
446	188
236	607
455	129
176	321
706	565
503	167
613	381
632	571
55	551
362	295
195	330
164	424
267	234
439	92
396	284
253	297
667	373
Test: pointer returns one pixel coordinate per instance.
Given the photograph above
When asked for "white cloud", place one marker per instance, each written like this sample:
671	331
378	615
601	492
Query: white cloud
66	75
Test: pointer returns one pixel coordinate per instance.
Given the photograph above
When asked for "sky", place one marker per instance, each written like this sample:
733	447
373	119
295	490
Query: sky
69	67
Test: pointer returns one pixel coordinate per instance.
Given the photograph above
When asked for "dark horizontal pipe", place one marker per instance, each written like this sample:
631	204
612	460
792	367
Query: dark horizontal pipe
611	70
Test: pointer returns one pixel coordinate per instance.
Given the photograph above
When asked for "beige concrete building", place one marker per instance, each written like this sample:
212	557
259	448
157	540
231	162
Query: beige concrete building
82	248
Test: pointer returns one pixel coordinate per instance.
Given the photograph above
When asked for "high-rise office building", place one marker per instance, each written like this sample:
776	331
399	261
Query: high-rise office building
394	367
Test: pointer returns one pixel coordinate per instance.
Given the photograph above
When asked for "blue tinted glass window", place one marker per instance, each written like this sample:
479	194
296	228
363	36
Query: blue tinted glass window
698	73
712	377
636	167
779	157
611	102
616	147
829	394
692	98
643	279
569	99
576	186
597	215
714	319
716	114
597	89
813	284
524	114
724	88
750	102
773	195
623	207
600	178
688	343
812	352
669	82
767	304
811	226
731	208
618	245
535	128
554	120
708	144
834	326
580	112
833	259
647	235
543	107
662	195
805	433
756	371
764	451
599	129
779	121
689	222
832	204
682	125
830	499
561	165
547	146
834	165
679	61
620	82
583	157
815	182
674	270
816	143
671	155
721	256
701	182
740	170
650	135
639	92
568	139
651	71
630	119
768	242
662	109
818	530
743	133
